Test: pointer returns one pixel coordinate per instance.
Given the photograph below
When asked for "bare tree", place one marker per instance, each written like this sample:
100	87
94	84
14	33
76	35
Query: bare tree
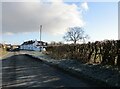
53	43
75	34
60	43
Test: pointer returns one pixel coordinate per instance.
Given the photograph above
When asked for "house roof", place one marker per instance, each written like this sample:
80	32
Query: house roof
28	42
31	42
41	42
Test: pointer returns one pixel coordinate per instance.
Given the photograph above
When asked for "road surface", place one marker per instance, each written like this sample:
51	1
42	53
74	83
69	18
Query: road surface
24	71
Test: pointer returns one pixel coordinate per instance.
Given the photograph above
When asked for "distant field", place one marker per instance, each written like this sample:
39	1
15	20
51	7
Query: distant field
2	52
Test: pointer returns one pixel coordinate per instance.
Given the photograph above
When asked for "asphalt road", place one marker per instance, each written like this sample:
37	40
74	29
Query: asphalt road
24	71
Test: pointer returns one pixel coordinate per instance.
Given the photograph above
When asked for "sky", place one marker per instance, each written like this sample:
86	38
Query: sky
118	20
21	20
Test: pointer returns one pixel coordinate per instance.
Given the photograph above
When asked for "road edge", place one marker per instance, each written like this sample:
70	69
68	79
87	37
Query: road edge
75	73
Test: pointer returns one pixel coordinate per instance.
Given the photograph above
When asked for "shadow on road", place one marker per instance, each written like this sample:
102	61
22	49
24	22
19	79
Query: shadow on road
23	71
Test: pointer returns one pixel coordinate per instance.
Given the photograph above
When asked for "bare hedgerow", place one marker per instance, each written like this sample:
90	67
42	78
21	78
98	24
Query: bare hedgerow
99	52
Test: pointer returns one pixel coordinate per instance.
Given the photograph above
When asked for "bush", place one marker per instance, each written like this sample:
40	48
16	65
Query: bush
99	52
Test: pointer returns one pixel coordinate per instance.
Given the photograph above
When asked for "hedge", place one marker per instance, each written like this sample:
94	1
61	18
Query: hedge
100	52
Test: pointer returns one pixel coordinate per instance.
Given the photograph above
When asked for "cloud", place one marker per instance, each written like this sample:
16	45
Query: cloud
85	6
23	17
20	0
0	18
9	33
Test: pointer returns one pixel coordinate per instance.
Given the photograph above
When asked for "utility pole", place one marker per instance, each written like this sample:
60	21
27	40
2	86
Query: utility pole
40	36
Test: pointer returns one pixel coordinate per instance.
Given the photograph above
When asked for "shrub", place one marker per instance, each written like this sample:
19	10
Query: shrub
100	52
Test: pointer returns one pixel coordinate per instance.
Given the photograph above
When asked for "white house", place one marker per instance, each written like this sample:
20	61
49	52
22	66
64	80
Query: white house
34	45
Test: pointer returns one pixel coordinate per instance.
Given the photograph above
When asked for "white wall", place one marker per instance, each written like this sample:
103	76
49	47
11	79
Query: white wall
31	47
